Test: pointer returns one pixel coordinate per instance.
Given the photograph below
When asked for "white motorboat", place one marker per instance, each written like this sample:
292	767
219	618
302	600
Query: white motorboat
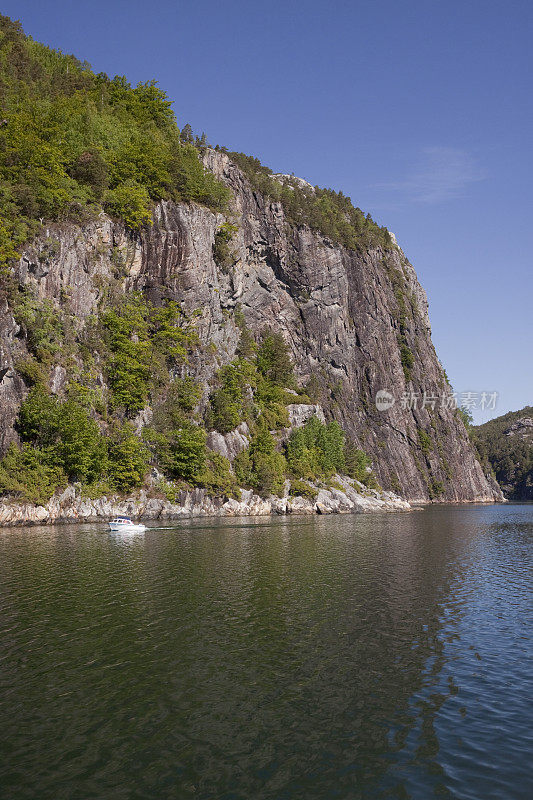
125	525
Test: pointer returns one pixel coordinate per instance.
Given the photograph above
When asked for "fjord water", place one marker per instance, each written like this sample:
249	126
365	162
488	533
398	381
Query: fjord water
293	658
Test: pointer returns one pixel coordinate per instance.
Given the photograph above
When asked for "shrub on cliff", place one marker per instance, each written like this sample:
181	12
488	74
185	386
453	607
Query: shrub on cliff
303	489
181	451
316	450
218	478
142	341
60	442
65	435
61	439
127	458
254	386
406	357
356	462
37	420
131	203
222	252
273	360
261	467
229	403
424	440
81	450
225	411
27	474
41	323
184	394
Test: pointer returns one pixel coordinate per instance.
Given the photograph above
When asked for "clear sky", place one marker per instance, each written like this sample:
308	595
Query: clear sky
420	110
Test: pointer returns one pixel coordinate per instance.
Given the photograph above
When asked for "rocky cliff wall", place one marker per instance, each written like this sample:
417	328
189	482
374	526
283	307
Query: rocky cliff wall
356	322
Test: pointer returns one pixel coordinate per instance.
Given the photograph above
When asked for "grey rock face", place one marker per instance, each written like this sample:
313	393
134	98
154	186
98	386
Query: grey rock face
339	312
522	427
337	309
300	413
230	444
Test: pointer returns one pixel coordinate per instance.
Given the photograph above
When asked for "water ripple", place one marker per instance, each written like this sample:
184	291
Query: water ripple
351	657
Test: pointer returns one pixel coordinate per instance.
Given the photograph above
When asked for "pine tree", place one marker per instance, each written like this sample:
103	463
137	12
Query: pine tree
186	135
274	361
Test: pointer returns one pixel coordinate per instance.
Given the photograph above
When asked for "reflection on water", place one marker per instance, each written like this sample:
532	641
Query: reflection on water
331	657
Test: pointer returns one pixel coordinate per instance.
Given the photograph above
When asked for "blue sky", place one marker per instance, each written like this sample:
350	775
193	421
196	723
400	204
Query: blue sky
420	110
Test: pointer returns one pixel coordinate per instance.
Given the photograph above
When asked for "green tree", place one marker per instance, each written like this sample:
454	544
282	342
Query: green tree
229	403
41	322
38	418
247	347
131	203
127	458
225	411
273	360
184	394
186	135
356	462
260	466
8	245
126	332
27	474
222	252
90	168
181	452
316	450
81	447
218	478
64	434
201	142
172	334
330	444
73	140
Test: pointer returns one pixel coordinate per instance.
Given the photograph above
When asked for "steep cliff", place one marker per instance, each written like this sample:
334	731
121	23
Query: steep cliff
180	319
356	322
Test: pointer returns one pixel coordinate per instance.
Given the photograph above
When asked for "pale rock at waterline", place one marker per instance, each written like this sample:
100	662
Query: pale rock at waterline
69	506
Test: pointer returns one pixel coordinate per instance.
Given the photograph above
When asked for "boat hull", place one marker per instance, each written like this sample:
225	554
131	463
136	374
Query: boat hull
121	528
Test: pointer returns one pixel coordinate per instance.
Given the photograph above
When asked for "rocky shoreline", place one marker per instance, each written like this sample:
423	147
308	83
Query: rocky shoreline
71	506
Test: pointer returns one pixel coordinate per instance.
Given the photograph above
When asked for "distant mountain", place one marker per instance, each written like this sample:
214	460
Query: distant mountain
507	444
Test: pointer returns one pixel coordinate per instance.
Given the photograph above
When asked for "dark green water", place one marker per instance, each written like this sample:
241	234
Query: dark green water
386	656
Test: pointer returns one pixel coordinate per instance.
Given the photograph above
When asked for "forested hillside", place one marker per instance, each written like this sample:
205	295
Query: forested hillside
72	142
506	443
